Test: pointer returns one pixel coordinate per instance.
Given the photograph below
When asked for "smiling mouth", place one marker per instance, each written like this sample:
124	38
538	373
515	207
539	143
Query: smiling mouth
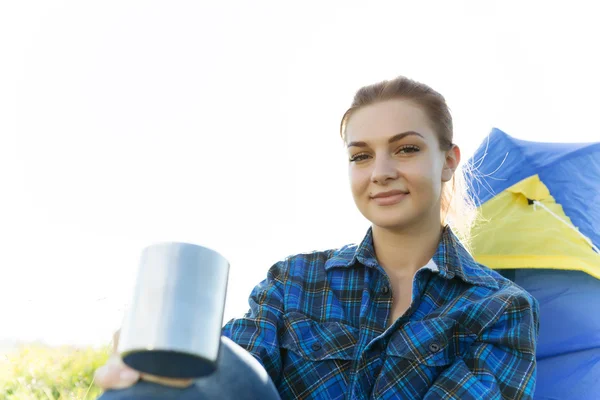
389	199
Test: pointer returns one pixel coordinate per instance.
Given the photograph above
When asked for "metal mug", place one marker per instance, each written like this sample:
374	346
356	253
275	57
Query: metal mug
172	327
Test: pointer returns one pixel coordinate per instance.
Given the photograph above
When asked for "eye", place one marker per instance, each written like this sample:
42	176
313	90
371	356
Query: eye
359	157
407	149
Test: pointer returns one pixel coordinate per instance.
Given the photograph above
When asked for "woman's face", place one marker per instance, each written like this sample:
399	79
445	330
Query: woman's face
396	166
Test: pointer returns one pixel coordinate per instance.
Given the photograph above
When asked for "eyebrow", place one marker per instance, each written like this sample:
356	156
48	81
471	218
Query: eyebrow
393	139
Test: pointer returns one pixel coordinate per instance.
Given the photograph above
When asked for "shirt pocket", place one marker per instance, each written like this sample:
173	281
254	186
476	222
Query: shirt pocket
316	357
417	353
317	341
433	342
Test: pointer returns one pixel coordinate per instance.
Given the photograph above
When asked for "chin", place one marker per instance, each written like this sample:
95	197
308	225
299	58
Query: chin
396	218
406	214
391	220
397	225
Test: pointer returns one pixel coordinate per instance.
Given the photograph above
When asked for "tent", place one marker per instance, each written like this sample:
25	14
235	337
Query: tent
540	227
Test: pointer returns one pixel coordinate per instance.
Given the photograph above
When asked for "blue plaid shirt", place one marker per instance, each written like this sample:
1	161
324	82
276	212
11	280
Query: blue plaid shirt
319	326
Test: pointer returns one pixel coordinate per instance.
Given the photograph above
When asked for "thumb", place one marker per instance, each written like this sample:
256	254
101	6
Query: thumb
115	374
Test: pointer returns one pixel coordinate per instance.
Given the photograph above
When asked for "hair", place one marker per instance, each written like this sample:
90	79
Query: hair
457	207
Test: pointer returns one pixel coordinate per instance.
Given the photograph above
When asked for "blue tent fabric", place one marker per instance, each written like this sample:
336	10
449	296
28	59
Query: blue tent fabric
571	171
568	351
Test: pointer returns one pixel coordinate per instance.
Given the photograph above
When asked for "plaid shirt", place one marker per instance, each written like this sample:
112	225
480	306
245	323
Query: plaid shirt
318	324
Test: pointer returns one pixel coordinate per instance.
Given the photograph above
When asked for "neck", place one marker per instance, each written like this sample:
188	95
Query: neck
402	252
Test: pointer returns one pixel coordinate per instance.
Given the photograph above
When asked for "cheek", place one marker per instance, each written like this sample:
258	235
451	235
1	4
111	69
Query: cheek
359	180
426	179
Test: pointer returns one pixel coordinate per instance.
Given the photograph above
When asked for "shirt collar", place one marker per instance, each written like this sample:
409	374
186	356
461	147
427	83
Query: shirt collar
450	260
431	265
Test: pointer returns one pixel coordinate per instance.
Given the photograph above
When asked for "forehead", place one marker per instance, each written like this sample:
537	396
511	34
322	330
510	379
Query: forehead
385	119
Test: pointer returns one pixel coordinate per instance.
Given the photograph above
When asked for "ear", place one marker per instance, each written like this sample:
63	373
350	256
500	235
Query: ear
451	163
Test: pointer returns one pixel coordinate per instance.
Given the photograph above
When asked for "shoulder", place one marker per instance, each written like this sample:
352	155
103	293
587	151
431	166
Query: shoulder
512	316
498	302
485	282
479	297
507	289
518	301
310	262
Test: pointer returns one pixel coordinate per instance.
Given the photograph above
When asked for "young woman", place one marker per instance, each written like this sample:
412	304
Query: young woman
407	313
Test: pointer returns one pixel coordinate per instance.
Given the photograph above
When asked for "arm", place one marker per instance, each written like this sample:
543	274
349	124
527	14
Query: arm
501	362
257	331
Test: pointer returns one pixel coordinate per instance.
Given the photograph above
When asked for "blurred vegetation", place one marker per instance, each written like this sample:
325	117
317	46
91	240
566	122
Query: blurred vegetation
41	372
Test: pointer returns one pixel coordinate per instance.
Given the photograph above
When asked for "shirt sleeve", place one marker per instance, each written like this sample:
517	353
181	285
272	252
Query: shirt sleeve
257	331
501	363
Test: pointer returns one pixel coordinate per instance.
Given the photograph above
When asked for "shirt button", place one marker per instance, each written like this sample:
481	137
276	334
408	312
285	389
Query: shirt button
316	347
385	290
434	347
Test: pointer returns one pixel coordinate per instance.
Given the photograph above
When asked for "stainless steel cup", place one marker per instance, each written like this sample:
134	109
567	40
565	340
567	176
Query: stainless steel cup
172	327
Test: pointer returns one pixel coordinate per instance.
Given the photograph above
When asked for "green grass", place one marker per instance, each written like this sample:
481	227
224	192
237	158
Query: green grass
39	372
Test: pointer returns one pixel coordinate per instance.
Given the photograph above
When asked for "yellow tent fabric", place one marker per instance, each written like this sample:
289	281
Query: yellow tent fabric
526	235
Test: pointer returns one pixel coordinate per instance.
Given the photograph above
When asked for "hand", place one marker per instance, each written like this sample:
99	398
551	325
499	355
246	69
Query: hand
115	374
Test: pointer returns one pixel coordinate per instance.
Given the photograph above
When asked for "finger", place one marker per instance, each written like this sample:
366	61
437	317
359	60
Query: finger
178	383
116	340
115	375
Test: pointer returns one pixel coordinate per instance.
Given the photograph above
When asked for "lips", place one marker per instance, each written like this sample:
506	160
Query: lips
388	194
389	198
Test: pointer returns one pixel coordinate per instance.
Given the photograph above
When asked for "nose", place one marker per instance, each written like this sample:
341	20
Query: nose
384	170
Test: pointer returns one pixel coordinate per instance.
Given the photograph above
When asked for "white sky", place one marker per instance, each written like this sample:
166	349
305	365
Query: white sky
126	123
